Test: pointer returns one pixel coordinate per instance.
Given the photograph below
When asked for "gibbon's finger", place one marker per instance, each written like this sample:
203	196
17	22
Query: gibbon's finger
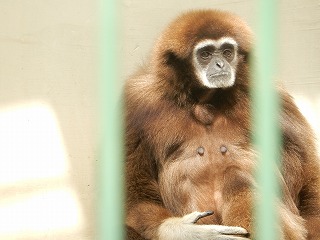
223	237
226	230
195	216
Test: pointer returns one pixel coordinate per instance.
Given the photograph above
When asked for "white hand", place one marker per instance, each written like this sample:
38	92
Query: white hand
184	228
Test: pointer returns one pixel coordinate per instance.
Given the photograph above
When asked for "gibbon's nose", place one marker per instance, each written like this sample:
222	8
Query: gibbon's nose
219	64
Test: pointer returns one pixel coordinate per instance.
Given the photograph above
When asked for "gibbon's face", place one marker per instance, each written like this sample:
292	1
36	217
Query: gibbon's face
215	62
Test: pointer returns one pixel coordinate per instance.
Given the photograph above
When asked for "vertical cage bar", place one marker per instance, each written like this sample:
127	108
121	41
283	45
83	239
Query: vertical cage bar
265	121
110	167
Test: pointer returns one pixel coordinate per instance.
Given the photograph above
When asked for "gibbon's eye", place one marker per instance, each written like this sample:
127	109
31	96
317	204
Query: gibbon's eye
228	53
205	55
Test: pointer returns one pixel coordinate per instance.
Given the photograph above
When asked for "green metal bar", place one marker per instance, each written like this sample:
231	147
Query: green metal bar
265	121
110	167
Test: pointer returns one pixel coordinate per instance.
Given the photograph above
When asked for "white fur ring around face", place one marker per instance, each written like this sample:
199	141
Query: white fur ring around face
184	228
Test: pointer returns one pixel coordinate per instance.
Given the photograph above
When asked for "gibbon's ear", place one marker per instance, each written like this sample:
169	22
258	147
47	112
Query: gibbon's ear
246	56
170	58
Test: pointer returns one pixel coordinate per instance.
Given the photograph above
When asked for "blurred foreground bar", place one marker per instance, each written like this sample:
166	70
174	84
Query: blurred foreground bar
265	121
110	168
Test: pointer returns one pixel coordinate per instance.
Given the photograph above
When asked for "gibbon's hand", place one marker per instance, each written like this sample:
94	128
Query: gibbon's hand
184	228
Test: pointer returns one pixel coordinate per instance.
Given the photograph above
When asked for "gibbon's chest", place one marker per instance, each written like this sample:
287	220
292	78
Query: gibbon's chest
191	176
201	135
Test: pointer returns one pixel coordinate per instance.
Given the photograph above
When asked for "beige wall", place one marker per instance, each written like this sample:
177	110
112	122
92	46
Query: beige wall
48	87
48	102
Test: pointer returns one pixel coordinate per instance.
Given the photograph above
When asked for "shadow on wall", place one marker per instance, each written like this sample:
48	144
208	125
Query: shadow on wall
37	196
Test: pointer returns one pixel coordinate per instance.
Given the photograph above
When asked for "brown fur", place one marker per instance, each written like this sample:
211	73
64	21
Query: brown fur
169	116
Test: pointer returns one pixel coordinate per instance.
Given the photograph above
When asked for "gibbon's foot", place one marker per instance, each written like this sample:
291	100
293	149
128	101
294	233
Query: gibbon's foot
184	228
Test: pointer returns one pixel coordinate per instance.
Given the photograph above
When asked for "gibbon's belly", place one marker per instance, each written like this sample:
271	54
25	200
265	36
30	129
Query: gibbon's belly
192	181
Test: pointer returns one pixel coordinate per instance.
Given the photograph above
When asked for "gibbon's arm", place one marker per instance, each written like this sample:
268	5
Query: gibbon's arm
299	137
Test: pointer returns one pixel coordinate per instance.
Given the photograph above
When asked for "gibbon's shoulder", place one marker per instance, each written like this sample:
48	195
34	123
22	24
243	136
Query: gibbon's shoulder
141	89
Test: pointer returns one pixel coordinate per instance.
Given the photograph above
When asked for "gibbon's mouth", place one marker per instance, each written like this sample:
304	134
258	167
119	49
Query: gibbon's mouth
220	74
220	80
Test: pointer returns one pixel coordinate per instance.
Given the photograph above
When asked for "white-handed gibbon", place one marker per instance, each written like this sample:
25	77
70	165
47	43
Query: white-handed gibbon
189	156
